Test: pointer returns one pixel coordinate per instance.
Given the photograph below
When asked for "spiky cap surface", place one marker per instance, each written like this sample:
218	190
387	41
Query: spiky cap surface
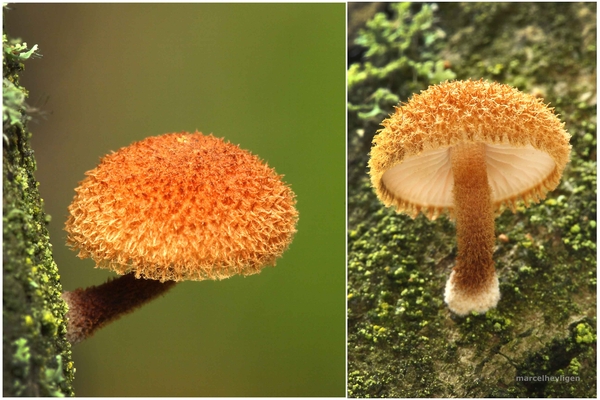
433	121
182	207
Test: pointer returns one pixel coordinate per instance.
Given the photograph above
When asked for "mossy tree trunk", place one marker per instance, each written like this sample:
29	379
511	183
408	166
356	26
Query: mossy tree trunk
36	355
541	339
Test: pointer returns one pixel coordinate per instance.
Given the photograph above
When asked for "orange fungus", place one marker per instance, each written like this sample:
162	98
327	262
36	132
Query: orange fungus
182	206
469	148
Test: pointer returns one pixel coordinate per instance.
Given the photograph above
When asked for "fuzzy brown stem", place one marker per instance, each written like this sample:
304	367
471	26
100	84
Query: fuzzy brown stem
473	280
92	308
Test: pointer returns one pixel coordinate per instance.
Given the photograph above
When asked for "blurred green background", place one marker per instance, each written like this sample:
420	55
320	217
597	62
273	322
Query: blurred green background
269	77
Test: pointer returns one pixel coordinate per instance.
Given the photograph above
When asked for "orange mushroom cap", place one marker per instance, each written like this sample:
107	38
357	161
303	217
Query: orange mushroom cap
526	146
182	206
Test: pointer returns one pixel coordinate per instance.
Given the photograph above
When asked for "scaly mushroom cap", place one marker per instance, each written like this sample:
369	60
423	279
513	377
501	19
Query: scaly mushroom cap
526	146
182	207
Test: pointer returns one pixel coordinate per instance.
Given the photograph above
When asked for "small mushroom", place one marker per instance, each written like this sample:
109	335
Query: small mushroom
170	208
469	149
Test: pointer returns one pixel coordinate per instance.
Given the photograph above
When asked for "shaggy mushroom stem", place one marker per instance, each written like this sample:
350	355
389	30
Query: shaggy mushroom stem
92	308
473	284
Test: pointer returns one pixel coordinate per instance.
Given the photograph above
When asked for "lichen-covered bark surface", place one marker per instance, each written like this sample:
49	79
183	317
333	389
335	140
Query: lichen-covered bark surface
36	354
541	339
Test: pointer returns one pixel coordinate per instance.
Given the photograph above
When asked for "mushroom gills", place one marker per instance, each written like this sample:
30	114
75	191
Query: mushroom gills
427	178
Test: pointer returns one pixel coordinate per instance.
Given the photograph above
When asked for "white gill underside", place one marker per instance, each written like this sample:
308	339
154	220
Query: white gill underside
427	179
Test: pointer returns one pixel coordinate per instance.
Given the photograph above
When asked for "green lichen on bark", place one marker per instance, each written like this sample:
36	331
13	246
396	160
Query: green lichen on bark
36	355
402	340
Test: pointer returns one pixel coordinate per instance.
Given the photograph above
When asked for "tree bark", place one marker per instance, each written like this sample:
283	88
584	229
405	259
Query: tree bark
36	355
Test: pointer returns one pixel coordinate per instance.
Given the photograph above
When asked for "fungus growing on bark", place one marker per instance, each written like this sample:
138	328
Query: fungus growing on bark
170	208
469	149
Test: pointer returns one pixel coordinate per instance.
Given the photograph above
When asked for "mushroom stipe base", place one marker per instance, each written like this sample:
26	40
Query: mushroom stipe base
92	308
